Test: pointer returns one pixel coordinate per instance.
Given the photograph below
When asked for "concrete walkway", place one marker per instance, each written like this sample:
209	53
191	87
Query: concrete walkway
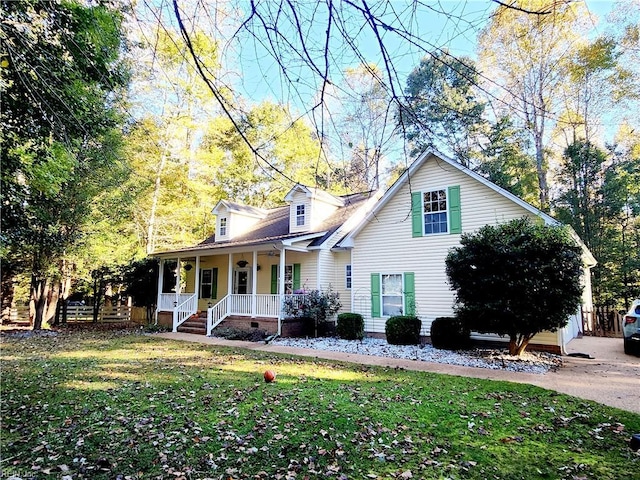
610	377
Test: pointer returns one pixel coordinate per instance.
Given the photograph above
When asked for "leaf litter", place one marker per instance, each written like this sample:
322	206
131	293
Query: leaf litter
191	412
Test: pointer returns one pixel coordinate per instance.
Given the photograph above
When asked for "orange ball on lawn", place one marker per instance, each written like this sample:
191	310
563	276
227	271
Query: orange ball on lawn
269	376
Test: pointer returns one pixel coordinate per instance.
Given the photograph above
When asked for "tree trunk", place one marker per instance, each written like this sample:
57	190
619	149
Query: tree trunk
151	228
6	294
518	344
96	297
52	303
541	170
39	293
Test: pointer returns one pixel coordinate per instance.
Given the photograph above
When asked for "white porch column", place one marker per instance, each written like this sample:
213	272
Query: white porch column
178	292
230	276
160	286
254	283
281	280
197	281
178	280
281	288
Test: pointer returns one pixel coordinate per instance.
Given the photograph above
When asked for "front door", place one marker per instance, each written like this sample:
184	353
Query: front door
242	281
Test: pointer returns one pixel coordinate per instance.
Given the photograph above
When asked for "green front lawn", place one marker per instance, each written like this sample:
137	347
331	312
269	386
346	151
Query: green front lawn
116	406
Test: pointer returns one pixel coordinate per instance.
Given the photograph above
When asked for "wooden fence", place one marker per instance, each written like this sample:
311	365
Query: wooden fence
602	322
85	314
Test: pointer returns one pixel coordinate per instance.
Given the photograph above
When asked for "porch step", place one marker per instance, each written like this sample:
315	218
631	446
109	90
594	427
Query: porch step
197	325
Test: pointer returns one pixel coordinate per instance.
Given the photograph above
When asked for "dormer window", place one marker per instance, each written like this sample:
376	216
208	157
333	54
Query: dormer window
223	227
300	219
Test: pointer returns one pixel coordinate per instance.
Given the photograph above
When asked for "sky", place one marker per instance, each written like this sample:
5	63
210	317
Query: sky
449	24
251	72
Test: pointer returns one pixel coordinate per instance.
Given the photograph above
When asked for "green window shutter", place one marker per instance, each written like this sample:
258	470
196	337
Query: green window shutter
375	295
274	279
416	214
214	283
455	215
409	293
296	276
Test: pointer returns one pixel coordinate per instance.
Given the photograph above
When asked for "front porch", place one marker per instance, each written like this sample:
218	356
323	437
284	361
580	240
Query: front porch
242	311
246	285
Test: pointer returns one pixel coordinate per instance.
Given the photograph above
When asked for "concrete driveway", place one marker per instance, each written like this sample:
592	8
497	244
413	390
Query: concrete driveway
610	377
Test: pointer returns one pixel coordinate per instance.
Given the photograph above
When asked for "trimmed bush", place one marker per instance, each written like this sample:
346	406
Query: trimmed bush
350	326
450	333
403	330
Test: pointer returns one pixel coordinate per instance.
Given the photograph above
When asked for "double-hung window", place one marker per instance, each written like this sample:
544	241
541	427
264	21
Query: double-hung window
291	278
208	283
436	212
392	296
300	215
434	205
347	276
223	227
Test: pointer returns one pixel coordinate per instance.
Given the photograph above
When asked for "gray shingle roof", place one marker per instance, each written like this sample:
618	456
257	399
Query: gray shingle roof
275	227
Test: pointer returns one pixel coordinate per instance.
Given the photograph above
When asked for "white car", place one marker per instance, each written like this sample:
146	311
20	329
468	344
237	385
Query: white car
631	329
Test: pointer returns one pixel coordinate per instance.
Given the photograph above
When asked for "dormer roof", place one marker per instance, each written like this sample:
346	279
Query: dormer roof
239	208
314	193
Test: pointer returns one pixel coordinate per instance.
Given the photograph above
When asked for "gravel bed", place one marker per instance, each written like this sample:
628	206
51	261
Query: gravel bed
495	359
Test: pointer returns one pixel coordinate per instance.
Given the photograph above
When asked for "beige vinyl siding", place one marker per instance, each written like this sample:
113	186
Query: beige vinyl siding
332	275
326	270
308	267
237	224
385	244
299	198
543	338
341	260
320	211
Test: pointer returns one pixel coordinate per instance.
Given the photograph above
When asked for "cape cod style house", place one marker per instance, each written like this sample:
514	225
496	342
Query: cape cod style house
383	253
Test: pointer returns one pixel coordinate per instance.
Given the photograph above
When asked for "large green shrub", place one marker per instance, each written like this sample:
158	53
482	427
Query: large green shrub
350	326
403	330
450	333
516	279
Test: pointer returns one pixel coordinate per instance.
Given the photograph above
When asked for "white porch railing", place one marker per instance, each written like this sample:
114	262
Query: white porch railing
266	305
185	310
217	314
169	301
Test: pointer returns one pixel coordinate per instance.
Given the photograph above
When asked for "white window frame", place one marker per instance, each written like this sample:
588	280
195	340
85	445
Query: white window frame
223	226
445	211
301	215
204	271
236	280
348	276
383	313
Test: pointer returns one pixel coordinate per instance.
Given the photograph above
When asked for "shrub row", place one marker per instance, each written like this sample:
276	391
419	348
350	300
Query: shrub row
448	333
403	330
350	326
